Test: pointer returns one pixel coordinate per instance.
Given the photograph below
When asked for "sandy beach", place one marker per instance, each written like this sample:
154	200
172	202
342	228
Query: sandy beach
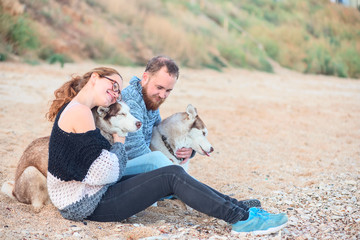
288	139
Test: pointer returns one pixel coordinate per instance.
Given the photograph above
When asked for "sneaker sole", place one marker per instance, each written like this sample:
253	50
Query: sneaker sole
261	232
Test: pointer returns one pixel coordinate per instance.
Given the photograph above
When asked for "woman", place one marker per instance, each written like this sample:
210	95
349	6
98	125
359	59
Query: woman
85	171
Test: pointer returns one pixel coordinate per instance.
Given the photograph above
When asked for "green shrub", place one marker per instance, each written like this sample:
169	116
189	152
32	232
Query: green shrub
272	17
45	53
193	7
319	60
21	36
60	58
252	10
233	54
265	65
341	69
351	58
3	57
272	48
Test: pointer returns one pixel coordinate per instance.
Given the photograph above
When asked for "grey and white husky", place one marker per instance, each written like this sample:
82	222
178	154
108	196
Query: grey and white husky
183	129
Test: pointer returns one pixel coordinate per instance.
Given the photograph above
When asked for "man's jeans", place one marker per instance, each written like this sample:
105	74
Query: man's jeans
146	163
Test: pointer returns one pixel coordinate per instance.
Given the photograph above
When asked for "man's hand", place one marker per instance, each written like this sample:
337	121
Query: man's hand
184	153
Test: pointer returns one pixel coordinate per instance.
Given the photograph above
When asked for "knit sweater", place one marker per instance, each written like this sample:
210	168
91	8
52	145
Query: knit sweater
137	143
81	168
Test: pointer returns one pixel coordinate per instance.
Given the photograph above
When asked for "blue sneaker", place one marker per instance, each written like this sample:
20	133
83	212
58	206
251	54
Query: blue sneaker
266	214
171	197
260	222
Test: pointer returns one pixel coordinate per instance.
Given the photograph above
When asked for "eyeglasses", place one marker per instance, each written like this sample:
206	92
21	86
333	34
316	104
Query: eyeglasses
115	87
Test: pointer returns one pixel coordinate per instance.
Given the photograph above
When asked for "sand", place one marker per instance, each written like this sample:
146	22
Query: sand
288	139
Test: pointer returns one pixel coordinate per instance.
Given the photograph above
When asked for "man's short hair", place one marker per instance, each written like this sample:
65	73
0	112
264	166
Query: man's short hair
156	63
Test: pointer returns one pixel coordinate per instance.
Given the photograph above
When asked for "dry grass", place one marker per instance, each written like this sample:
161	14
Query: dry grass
198	33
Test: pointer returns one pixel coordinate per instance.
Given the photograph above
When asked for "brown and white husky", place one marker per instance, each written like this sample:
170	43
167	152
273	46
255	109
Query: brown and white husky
29	185
184	129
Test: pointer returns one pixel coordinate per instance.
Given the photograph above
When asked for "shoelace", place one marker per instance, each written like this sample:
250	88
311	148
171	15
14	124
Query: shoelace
261	213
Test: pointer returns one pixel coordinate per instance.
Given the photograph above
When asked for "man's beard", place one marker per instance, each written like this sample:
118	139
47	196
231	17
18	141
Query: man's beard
150	105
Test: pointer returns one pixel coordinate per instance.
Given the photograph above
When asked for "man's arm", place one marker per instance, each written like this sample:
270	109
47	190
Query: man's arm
158	120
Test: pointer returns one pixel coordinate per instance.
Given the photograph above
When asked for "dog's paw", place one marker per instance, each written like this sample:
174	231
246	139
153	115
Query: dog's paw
7	188
37	206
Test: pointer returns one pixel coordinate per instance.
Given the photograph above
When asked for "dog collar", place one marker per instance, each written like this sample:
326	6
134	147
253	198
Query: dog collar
167	145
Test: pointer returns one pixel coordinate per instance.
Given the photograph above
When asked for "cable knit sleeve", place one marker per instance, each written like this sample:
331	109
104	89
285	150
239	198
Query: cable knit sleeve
108	167
119	150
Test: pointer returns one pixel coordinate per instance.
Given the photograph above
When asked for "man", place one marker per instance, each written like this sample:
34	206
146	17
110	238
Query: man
144	97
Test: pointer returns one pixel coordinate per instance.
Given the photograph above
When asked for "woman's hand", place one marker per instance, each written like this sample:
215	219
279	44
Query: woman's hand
119	139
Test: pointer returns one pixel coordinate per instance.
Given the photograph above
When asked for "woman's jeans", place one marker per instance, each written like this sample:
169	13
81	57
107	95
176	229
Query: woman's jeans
133	194
146	163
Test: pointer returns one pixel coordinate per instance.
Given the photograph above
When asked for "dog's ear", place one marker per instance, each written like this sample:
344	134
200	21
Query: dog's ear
191	111
102	111
113	109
